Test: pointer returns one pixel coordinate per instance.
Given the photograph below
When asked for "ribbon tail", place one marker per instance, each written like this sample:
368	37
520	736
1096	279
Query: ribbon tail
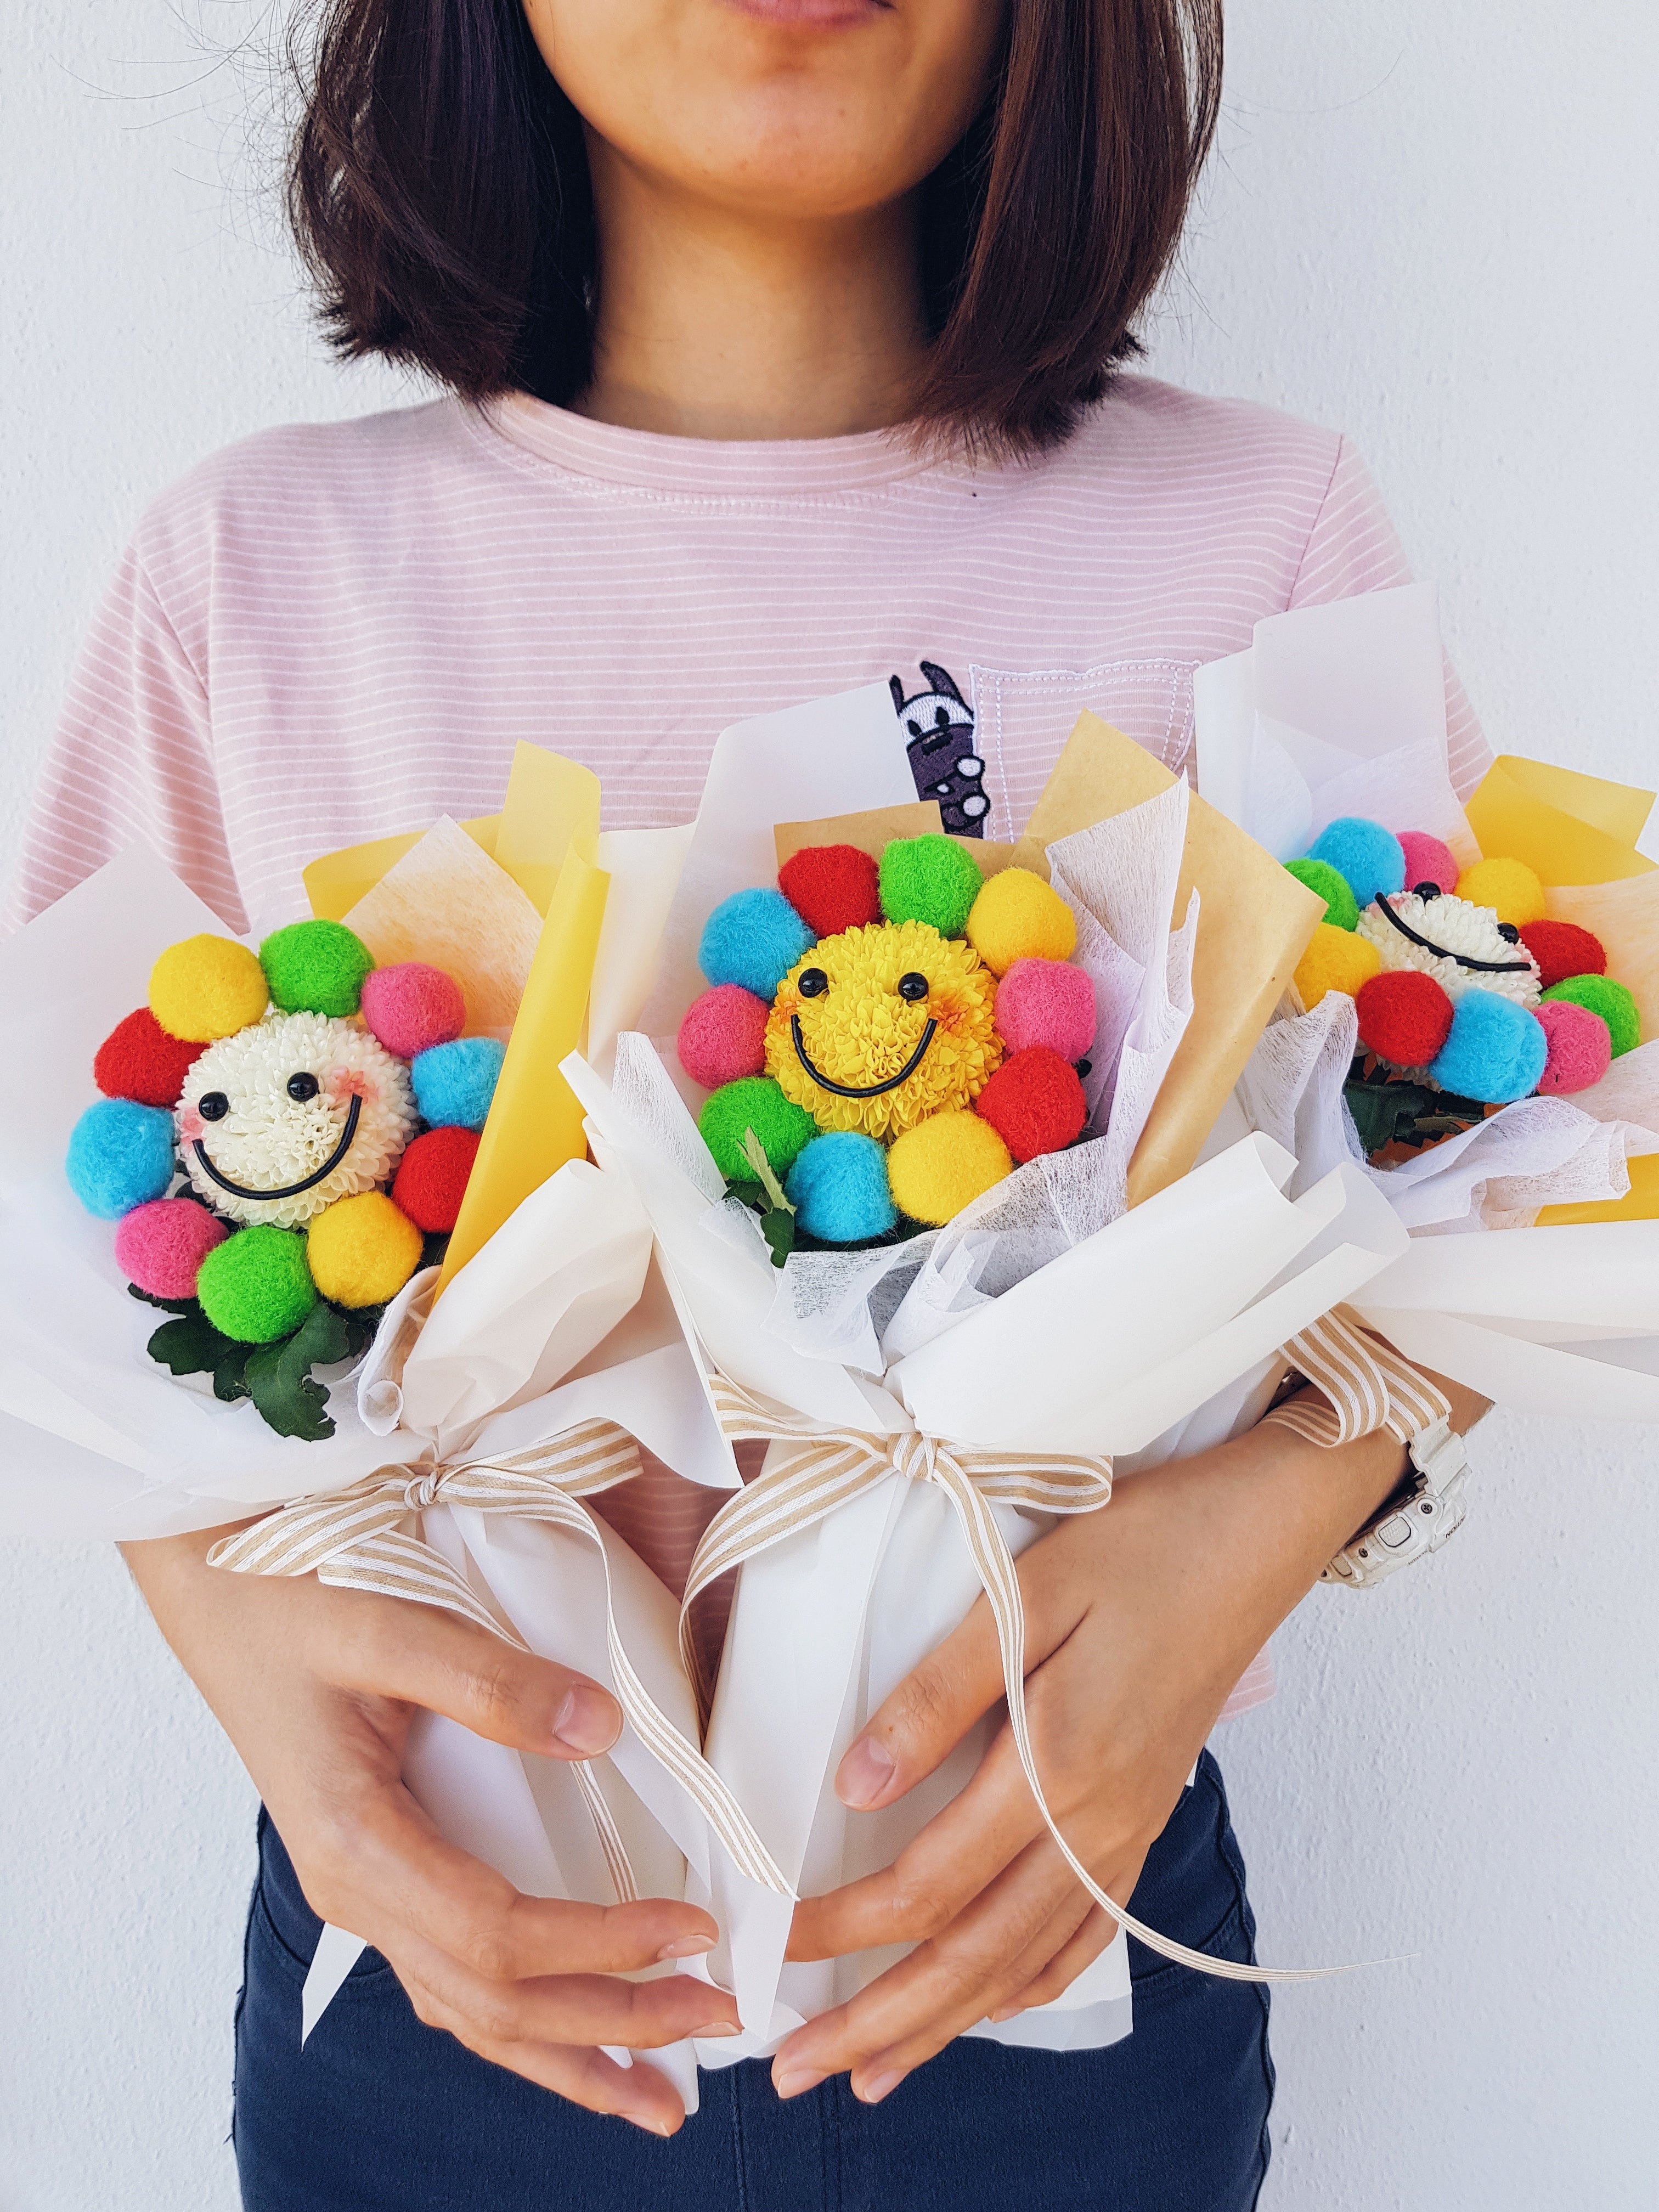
1000	1579
392	1564
617	1863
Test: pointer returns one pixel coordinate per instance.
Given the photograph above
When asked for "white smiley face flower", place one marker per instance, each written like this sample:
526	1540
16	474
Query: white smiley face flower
272	1108
1461	944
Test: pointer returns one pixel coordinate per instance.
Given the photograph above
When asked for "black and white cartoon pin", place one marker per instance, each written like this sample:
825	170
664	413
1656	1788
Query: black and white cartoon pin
938	732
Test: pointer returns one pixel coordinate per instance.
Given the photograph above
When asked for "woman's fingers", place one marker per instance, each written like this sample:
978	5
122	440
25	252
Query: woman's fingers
936	1875
638	2093
945	1986
937	1702
422	1656
1081	1950
562	2009
383	1871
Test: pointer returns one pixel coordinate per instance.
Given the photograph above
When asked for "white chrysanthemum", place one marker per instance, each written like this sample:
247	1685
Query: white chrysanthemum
265	1139
1452	925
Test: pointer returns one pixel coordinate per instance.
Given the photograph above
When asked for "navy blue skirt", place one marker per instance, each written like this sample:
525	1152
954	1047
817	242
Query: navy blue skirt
380	2114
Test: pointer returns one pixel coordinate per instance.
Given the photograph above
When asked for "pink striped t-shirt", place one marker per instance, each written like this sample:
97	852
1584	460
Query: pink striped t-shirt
326	634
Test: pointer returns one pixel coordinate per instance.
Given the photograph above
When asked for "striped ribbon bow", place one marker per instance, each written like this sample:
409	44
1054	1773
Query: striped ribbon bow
1368	1384
825	1470
360	1539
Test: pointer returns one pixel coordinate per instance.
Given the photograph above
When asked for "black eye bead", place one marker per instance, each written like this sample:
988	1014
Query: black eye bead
1508	932
302	1086
813	983
1425	890
913	987
213	1105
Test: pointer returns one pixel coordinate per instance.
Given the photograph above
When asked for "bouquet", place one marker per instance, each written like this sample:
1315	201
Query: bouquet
406	1313
1478	1008
980	1292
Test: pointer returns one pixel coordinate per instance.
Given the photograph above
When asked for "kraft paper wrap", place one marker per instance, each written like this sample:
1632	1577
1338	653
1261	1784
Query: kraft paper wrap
1254	922
545	839
1578	833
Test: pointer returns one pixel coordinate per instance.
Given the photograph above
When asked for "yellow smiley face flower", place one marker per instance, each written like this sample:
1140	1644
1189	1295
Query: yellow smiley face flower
882	1026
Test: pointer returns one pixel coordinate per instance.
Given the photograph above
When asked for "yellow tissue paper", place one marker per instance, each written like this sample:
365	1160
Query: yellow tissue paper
1568	828
470	897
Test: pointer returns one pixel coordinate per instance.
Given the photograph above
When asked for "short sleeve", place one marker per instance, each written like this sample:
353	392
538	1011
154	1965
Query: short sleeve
1353	548
131	763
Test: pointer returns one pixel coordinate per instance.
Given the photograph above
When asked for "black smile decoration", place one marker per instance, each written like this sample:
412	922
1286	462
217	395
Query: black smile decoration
868	1090
1444	952
354	1112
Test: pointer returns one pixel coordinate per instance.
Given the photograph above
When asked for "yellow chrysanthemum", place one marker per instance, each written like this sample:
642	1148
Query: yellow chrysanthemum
860	1028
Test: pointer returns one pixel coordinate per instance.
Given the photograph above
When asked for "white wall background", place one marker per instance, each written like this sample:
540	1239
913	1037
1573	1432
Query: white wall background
1431	226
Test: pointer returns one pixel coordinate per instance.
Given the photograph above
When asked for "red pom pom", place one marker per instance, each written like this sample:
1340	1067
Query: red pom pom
1404	1016
431	1178
1562	949
139	1060
831	887
1035	1103
723	1035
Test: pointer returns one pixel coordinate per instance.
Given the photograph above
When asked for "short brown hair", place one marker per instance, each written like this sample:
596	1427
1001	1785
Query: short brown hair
439	189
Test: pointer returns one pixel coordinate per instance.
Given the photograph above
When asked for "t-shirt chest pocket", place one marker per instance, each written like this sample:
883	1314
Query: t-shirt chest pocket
1022	718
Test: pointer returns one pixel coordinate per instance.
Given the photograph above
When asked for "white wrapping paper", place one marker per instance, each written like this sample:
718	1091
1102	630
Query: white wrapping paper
1155	1333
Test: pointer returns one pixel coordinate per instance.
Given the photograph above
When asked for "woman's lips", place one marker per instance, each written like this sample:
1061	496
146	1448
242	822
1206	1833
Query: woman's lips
811	14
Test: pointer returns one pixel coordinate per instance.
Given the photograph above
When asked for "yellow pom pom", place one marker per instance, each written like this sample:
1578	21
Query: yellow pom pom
936	1168
1508	887
1019	917
363	1250
1337	960
206	987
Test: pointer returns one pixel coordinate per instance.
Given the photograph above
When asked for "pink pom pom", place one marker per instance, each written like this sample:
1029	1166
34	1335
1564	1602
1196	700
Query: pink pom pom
1046	1002
1581	1047
411	1007
1428	861
160	1246
723	1035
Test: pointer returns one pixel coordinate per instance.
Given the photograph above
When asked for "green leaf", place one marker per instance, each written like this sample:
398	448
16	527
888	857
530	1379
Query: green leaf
230	1375
747	1193
167	1305
190	1345
778	1227
279	1378
755	1153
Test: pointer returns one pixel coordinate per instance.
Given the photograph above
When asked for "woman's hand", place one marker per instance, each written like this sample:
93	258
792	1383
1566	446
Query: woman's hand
316	1689
1140	1619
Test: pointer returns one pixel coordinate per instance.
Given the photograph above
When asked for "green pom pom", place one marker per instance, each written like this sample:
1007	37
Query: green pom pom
315	968
931	879
756	1102
1611	1000
1341	908
257	1286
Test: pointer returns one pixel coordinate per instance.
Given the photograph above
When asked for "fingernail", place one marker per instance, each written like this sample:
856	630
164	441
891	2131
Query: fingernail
586	1722
686	1947
876	2088
652	2123
864	1772
1005	2012
797	2083
718	2027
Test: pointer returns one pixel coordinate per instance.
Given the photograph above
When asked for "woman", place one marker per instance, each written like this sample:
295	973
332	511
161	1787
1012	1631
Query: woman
780	341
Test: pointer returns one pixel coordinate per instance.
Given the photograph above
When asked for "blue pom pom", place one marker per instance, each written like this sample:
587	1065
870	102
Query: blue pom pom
120	1155
753	939
838	1188
1370	859
454	1083
1495	1052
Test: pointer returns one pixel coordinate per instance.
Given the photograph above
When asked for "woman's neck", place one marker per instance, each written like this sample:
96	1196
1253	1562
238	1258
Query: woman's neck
711	326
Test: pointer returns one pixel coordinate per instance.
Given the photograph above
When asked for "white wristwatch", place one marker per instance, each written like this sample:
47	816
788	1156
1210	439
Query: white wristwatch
1410	1527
